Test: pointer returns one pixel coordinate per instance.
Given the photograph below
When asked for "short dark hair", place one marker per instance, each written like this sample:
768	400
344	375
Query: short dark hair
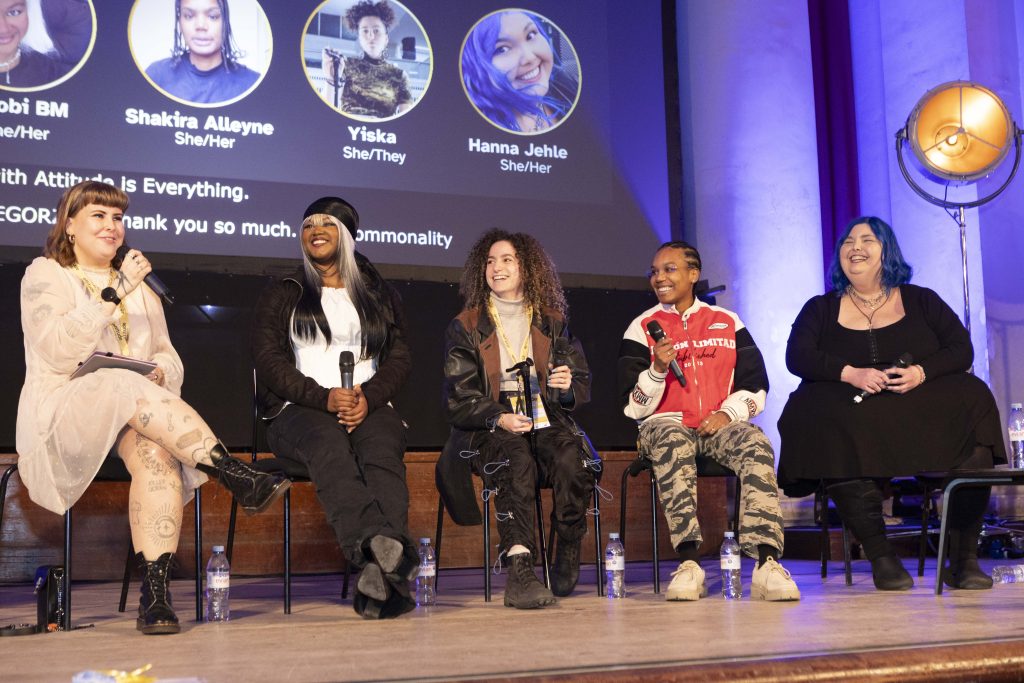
895	271
367	8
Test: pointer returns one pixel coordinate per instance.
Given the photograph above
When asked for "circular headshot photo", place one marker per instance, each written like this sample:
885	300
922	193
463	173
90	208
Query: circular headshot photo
370	60
520	71
206	53
44	42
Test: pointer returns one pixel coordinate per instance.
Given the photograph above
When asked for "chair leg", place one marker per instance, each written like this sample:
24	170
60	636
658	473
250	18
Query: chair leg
66	598
487	550
198	502
437	537
345	580
598	557
922	543
3	490
540	539
287	552
622	507
123	604
736	500
847	564
654	533
231	528
825	542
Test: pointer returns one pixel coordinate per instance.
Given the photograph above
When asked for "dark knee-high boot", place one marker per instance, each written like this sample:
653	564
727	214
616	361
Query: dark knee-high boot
156	614
254	490
859	503
965	523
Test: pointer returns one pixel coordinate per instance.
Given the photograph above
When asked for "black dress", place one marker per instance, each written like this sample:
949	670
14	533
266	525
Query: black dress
935	426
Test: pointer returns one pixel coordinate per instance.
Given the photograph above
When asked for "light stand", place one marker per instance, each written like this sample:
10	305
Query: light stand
959	133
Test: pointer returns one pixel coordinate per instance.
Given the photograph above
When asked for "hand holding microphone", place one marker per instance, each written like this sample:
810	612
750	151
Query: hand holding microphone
664	349
872	383
348	401
560	376
136	268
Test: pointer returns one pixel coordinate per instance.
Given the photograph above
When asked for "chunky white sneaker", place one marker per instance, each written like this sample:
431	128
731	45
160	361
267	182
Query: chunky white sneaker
772	582
687	582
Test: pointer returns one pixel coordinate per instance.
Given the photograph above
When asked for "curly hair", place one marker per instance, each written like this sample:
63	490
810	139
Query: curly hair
367	8
541	285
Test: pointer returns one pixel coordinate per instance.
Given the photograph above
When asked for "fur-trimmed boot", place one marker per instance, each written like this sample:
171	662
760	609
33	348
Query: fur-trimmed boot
156	614
254	490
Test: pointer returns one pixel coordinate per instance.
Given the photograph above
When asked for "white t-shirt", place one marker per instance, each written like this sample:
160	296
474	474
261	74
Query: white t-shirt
318	360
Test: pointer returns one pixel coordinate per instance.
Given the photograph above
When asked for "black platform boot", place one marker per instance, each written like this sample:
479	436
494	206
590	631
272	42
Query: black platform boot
523	589
965	527
859	503
566	571
156	615
254	490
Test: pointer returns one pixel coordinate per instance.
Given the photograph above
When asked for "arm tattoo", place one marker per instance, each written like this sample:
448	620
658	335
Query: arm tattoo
134	513
170	424
144	418
41	313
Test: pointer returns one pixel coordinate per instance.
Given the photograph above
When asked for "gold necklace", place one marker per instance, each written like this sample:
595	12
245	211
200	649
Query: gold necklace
120	328
874	309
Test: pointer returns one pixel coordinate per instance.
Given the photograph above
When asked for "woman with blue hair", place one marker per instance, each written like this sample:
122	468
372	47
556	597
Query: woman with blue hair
886	392
514	76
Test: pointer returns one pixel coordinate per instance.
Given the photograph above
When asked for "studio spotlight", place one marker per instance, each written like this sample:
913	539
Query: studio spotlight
958	133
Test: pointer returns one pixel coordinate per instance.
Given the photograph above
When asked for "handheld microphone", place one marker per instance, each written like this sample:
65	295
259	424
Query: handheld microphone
657	334
559	356
346	362
152	280
904	361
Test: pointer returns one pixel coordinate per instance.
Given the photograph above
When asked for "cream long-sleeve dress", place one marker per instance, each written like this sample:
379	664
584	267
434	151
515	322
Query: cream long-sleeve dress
67	426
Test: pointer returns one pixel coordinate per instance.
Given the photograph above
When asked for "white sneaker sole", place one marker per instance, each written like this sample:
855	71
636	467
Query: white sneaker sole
686	596
758	593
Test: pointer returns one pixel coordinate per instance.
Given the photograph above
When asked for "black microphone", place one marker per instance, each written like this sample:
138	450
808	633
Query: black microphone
346	362
152	280
657	334
559	357
904	361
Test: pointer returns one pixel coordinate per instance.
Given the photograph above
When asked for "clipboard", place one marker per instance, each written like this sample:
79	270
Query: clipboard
100	360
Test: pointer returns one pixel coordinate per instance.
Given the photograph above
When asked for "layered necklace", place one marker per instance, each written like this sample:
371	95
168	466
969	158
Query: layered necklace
874	304
119	328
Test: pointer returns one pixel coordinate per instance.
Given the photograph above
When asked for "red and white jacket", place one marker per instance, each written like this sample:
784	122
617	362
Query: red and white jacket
721	363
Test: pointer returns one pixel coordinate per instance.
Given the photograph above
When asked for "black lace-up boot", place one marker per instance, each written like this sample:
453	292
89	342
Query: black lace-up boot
254	490
156	615
523	589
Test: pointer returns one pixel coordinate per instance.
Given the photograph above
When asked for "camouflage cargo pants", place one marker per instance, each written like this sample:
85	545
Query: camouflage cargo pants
742	447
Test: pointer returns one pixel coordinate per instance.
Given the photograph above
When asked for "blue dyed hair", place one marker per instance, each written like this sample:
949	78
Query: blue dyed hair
895	271
489	88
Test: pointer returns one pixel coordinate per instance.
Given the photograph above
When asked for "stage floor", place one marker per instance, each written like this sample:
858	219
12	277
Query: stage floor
834	632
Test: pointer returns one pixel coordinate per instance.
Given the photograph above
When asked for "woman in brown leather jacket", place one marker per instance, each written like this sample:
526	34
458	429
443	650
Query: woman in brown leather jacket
513	326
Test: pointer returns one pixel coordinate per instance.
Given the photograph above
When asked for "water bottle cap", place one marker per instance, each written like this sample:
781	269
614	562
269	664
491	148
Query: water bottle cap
424	540
613	535
729	534
218	548
1016	406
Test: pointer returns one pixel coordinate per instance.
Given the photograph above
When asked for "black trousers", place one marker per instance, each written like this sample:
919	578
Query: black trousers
359	477
507	465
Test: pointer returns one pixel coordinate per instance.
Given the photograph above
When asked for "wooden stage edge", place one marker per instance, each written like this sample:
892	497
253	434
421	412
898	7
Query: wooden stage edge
1001	660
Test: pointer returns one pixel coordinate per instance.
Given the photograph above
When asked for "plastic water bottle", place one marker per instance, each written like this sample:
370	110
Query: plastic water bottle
1008	573
615	567
428	574
218	586
732	585
1015	425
